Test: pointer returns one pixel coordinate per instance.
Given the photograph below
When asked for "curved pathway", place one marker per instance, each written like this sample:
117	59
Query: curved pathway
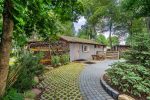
90	86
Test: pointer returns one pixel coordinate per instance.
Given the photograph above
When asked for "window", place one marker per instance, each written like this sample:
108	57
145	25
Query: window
85	48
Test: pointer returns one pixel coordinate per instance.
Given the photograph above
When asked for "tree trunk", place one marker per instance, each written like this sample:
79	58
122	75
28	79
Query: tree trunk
110	30
148	24
5	45
94	31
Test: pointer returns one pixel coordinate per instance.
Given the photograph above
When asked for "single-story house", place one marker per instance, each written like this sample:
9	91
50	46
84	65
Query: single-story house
77	48
121	48
82	48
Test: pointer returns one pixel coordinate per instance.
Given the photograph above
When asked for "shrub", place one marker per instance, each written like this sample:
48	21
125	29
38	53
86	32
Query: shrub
55	60
12	94
140	51
122	54
130	78
30	66
65	59
29	94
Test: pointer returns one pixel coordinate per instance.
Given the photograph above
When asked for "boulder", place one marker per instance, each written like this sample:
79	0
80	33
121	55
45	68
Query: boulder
125	97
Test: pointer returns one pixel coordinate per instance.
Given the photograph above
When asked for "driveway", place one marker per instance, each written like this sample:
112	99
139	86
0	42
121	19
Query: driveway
90	86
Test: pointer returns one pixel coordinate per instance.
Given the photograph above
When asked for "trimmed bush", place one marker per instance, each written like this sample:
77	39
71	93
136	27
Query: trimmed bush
12	94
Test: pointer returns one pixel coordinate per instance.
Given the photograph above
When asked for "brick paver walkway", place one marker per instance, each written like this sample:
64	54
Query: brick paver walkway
90	86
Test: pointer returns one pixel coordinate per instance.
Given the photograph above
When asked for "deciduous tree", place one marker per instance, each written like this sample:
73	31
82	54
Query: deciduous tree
23	17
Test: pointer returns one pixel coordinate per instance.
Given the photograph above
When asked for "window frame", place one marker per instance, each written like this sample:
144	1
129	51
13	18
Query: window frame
87	48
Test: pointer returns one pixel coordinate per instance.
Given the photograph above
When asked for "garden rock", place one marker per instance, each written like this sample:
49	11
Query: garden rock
36	91
48	68
125	97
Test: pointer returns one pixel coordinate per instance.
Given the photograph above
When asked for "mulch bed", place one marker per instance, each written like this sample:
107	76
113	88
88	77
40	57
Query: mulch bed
106	79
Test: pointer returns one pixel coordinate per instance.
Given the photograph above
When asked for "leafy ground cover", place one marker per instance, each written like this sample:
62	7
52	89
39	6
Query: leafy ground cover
62	83
132	76
129	79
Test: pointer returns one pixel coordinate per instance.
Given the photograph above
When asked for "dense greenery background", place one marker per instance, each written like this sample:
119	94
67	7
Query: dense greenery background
44	19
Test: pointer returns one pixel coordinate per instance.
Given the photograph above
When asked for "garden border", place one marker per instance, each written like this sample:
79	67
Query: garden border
108	89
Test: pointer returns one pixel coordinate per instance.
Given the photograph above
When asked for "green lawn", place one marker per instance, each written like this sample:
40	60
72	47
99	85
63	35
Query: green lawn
62	83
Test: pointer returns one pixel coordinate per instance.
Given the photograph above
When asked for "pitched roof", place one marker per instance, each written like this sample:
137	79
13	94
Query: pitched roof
78	40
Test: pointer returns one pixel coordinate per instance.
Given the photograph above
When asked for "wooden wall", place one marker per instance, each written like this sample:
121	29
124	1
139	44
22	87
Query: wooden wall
49	49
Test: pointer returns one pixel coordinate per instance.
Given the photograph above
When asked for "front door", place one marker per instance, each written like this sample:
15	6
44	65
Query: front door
77	48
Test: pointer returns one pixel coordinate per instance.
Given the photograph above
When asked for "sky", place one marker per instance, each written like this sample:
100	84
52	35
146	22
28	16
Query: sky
82	21
78	24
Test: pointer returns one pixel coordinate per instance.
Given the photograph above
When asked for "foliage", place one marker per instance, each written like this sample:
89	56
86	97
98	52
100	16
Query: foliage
130	78
68	29
115	40
29	94
140	52
102	16
55	60
148	98
12	94
140	8
30	67
85	32
41	17
60	60
65	59
102	39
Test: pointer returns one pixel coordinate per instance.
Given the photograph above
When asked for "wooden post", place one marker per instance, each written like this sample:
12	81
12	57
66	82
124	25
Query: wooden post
118	55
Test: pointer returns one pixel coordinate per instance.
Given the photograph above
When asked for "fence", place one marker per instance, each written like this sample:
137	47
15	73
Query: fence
109	54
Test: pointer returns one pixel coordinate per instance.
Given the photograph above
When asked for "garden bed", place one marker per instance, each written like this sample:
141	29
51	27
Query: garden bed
106	79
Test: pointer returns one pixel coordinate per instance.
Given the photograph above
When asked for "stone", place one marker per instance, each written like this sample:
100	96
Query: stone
36	91
49	68
28	99
125	97
36	79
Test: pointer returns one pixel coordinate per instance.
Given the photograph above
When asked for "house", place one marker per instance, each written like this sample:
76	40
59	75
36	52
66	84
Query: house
82	48
77	48
120	48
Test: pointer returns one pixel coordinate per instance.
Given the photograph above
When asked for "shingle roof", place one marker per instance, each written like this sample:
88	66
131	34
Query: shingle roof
78	40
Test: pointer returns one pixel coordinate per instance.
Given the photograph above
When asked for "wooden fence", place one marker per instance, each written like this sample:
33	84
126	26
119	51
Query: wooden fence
49	49
109	54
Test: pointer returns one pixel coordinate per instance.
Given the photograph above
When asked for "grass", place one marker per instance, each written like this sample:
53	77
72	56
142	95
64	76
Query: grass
62	83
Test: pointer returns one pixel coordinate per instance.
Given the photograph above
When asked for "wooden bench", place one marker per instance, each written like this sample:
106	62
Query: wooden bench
98	57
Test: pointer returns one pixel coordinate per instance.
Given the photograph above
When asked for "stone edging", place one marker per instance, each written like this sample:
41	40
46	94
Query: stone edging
108	89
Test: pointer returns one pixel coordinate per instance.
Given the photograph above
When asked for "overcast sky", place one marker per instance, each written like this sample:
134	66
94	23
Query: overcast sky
78	24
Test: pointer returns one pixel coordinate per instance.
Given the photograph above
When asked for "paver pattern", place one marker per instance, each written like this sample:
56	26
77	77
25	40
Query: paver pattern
90	86
62	83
